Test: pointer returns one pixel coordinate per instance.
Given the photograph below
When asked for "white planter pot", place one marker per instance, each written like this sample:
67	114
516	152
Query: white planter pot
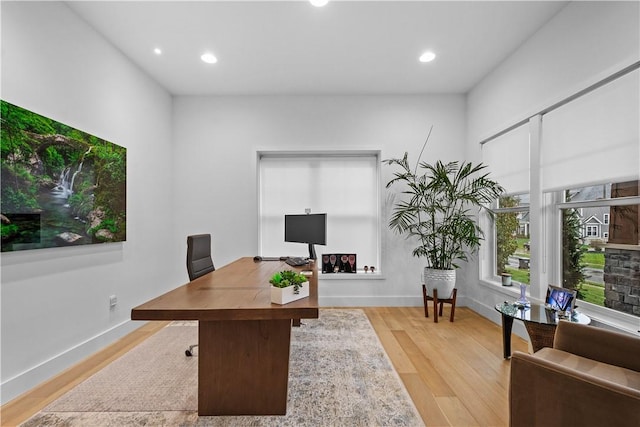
442	280
286	295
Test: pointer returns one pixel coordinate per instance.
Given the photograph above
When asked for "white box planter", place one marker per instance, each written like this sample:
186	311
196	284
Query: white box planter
285	295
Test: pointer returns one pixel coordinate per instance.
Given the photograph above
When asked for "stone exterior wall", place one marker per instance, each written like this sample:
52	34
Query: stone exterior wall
622	280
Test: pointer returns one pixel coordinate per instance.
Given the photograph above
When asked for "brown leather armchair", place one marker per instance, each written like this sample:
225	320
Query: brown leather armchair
591	377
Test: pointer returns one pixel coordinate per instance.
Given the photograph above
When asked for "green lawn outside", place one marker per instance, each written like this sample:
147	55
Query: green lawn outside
520	250
593	259
517	275
593	293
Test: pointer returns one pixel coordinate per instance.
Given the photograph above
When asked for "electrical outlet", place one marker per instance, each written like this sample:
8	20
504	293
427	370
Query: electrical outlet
113	300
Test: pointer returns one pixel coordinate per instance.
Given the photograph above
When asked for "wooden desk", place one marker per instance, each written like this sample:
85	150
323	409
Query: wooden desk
243	354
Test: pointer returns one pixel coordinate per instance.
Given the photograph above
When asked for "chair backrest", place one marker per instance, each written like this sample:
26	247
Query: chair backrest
199	260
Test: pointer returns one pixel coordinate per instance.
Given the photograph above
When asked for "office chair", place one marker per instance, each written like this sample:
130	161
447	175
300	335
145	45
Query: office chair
199	263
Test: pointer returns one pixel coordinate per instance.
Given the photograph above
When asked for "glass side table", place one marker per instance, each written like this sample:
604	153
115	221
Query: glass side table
539	321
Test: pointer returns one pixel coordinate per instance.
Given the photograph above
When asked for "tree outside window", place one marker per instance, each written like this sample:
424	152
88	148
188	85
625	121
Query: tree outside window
506	231
512	237
573	250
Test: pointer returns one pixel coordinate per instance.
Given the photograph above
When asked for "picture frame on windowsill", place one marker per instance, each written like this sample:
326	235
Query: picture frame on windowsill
339	263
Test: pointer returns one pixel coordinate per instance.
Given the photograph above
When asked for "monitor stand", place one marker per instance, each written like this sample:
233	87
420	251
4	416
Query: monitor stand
312	252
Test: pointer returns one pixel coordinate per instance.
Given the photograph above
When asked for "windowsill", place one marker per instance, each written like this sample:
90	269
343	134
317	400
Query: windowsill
350	276
624	247
512	291
611	318
606	316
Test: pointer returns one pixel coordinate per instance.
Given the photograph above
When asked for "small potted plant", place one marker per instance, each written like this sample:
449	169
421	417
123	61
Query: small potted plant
288	286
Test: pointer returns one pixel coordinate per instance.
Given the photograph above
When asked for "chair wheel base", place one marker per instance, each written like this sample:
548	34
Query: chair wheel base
189	352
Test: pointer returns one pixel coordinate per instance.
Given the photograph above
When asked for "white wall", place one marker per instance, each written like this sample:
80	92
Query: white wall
582	44
55	302
216	140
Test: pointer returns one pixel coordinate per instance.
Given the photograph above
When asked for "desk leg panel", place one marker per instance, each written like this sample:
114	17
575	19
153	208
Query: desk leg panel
243	367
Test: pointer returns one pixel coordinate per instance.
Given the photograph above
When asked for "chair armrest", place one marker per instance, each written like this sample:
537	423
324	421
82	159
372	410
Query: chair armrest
602	345
542	392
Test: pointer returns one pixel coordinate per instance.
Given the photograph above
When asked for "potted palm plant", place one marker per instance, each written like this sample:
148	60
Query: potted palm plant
437	208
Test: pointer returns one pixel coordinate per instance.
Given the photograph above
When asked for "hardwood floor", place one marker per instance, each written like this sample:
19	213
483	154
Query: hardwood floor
25	406
454	372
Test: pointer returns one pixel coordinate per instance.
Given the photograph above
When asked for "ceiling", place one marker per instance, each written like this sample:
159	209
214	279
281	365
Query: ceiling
292	47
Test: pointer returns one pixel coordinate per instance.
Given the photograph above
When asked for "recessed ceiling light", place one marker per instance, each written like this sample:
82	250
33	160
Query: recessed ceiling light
157	51
319	3
427	56
209	58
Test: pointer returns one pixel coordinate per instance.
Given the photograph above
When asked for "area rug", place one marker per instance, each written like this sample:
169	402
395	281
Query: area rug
339	375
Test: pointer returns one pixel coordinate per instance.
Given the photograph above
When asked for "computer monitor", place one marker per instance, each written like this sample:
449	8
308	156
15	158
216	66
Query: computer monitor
306	228
560	299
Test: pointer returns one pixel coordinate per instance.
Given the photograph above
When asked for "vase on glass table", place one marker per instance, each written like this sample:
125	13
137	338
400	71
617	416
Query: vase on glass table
523	301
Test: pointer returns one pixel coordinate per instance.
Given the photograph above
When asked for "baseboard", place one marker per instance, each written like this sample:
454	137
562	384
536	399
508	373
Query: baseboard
370	301
26	380
491	314
409	301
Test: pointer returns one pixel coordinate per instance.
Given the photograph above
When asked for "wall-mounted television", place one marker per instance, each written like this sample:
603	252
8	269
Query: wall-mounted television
306	228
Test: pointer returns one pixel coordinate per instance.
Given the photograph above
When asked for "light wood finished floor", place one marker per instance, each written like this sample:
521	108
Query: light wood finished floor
454	372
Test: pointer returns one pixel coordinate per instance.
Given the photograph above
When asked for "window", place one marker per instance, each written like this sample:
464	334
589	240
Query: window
592	231
343	185
586	258
507	158
512	238
599	128
583	217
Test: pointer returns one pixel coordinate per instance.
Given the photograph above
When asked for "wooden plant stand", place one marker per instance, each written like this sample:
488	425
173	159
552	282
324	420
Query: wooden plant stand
437	301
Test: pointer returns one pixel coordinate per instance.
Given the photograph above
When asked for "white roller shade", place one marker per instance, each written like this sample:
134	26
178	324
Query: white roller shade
507	158
594	138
